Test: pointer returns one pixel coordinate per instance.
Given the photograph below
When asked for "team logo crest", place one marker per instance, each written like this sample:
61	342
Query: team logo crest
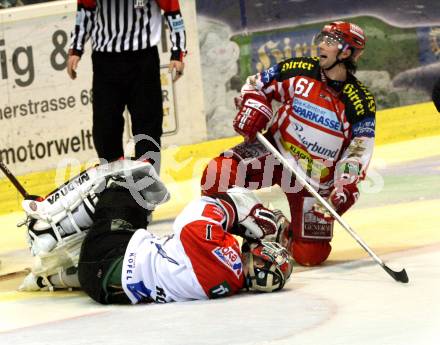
33	206
230	258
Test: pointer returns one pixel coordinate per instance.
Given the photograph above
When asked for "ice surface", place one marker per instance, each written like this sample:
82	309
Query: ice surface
348	303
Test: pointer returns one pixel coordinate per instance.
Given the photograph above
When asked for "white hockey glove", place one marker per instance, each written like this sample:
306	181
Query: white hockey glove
256	221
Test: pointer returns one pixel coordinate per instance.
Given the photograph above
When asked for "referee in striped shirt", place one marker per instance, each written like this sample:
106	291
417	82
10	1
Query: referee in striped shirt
126	69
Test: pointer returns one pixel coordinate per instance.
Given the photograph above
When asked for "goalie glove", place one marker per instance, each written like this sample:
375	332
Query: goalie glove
253	116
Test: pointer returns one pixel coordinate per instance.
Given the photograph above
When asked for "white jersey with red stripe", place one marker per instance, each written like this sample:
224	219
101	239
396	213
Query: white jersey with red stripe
200	260
320	122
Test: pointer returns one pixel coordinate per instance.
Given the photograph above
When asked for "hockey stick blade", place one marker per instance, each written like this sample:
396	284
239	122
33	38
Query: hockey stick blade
15	274
398	276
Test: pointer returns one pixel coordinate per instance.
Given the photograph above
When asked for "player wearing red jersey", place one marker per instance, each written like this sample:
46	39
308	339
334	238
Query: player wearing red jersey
119	261
325	127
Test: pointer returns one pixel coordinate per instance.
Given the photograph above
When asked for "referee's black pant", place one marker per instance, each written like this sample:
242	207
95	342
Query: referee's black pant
129	79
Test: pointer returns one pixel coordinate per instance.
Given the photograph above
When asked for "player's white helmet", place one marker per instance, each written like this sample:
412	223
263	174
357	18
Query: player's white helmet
269	266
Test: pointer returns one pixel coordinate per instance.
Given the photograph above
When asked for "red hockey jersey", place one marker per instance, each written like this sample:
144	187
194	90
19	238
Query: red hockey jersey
319	123
199	261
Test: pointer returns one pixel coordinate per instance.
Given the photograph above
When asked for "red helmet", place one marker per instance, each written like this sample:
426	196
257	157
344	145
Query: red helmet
347	33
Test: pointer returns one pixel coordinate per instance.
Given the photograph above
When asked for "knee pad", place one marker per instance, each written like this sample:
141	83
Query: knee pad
219	175
310	253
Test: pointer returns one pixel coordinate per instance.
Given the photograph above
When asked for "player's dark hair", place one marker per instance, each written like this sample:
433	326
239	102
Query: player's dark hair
350	64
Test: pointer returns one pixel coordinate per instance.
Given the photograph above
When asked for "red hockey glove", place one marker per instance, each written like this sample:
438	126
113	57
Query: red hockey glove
250	219
284	234
345	192
342	197
252	117
259	223
238	101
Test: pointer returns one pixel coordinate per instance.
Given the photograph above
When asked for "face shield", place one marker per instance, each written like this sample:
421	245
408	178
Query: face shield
329	39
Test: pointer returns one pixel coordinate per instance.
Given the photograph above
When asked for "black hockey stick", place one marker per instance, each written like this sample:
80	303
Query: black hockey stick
14	180
400	276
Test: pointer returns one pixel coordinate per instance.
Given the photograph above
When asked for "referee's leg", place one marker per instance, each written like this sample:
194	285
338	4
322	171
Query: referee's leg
145	106
108	106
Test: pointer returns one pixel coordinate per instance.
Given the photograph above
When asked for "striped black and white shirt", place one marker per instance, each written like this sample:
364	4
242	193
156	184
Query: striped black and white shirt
127	25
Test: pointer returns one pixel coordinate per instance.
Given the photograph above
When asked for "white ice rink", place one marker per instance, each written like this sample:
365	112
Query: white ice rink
350	300
349	303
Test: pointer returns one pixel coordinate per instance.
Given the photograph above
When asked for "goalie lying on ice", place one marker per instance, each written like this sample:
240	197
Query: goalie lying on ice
95	236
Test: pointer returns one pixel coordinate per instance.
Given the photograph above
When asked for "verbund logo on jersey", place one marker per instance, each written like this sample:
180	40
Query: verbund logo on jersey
229	257
316	148
318	115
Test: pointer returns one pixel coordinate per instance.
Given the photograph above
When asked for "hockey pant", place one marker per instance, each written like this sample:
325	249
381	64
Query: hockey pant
117	217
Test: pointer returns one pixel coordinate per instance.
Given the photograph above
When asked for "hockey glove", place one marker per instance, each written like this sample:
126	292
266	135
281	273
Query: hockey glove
345	192
342	197
253	116
259	223
251	219
284	235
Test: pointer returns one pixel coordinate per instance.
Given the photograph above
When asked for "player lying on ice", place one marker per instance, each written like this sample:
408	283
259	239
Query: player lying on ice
325	128
91	233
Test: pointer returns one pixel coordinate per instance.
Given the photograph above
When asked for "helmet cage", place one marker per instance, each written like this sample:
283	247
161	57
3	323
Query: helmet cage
265	279
272	274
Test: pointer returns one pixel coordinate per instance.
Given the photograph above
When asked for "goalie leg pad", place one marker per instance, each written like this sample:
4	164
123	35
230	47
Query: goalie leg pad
70	208
63	279
58	262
